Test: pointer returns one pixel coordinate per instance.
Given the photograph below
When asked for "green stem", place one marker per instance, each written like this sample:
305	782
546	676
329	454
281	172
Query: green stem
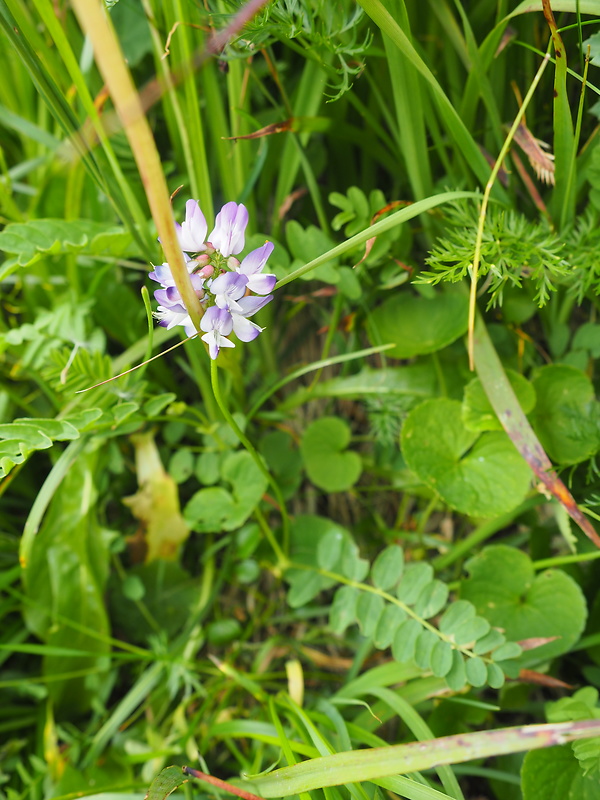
281	554
484	532
379	762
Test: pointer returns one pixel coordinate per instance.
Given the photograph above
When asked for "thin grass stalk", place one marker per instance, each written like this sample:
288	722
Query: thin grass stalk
484	205
410	123
200	174
563	199
463	139
174	115
280	553
128	199
94	21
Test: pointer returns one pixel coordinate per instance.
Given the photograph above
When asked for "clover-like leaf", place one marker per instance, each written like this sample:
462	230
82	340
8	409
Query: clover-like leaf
504	588
477	475
417	324
328	464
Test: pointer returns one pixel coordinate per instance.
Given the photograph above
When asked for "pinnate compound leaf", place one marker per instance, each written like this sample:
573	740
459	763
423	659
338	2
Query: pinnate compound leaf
426	641
505	590
476	671
495	676
416	577
20	438
328	464
388	567
389	622
476	475
455	614
216	509
343	609
507	650
316	541
432	599
417	324
405	640
470	630
329	550
491	640
369	609
441	659
456	678
304	586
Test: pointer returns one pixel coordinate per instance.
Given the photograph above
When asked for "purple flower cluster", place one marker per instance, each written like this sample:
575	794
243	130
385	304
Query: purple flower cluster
221	282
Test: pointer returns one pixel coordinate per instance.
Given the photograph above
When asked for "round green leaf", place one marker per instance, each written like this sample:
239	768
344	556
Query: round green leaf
343	609
481	476
457	676
566	417
181	465
441	659
328	464
388	567
216	509
405	640
476	671
488	642
432	599
505	590
416	577
393	616
223	631
477	411
456	613
495	676
417	324
426	641
470	630
369	609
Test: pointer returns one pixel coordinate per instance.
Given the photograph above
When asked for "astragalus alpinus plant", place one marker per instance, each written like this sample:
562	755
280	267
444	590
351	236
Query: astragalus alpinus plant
319	516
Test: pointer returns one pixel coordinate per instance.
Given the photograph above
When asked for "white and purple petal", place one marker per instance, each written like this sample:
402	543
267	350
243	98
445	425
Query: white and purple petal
218	324
250	305
262	284
244	329
256	260
230	227
191	234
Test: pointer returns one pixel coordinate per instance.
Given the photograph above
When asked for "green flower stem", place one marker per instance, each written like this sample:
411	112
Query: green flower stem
95	23
379	762
282	558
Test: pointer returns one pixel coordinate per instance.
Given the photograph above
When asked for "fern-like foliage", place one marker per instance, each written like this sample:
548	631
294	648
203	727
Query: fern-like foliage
331	32
396	608
583	248
514	250
30	241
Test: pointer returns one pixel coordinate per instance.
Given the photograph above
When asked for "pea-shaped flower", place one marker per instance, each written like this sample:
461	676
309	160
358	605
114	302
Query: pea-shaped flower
230	228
